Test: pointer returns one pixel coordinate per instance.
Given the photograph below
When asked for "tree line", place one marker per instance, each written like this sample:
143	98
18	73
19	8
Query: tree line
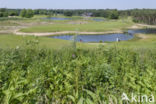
109	13
28	13
147	16
139	15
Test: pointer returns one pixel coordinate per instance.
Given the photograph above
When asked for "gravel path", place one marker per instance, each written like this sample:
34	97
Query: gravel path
17	32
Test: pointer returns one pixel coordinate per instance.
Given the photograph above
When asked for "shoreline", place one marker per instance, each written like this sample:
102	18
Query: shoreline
66	32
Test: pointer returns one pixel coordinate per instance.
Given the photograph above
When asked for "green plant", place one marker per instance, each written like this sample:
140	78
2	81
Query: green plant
31	75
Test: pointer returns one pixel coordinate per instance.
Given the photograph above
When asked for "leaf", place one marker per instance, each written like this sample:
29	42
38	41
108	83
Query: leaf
91	94
80	101
17	96
88	101
71	97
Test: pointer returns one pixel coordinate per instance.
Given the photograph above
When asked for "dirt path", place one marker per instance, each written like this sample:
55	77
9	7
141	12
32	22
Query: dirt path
140	26
142	36
17	32
149	26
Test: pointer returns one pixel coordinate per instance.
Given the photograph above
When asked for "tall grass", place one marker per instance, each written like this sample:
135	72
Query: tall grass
31	75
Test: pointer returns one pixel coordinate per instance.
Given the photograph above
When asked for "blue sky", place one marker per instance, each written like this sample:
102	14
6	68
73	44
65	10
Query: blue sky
78	4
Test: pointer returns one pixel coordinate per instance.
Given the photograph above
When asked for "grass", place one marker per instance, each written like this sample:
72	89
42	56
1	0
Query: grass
8	23
32	75
8	41
89	27
12	41
140	41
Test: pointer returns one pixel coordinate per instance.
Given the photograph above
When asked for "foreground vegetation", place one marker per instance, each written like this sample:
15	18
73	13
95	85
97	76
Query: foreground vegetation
30	74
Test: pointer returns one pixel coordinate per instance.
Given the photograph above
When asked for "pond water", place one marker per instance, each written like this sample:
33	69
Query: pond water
104	37
145	31
95	38
62	18
98	19
58	18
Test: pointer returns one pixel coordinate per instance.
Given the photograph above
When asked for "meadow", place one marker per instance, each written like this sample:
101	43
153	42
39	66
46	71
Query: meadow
81	27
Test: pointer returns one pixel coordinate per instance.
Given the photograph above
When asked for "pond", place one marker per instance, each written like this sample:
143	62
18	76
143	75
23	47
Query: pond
104	37
64	18
58	18
98	19
95	38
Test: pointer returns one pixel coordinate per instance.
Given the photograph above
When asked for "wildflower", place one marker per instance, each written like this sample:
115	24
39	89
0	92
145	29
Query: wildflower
17	47
73	55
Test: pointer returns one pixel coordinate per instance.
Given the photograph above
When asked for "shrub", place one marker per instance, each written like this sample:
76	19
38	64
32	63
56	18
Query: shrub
32	75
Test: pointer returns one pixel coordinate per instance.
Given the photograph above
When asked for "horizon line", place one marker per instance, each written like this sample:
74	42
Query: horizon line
77	8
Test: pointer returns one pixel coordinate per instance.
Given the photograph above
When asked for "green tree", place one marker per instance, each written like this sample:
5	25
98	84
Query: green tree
68	13
13	13
29	13
114	14
23	13
3	12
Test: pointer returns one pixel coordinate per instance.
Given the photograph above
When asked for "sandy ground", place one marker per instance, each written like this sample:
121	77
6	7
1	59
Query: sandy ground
139	26
17	32
97	43
143	36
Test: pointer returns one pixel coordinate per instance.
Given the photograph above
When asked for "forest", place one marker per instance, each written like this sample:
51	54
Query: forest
147	16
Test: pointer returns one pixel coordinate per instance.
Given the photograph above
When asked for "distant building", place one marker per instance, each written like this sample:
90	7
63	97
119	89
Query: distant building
87	14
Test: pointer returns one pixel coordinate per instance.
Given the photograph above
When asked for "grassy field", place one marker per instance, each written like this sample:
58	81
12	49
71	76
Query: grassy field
10	41
140	41
87	27
36	24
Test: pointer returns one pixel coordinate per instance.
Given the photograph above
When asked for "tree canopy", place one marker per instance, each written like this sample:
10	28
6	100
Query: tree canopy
27	13
147	16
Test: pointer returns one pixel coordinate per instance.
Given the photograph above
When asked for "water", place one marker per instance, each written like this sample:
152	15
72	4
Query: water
98	19
62	18
137	31
96	38
58	18
145	31
105	37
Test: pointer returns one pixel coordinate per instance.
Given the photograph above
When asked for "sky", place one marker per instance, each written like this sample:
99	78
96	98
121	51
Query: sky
78	4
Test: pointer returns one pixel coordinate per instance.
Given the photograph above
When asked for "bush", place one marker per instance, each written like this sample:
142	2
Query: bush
27	13
35	75
3	14
114	15
68	13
